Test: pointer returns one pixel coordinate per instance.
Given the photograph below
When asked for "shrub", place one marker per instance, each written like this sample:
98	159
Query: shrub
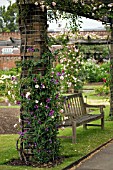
95	72
102	91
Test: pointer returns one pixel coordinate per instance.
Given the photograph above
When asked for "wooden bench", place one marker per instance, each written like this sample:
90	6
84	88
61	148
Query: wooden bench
76	114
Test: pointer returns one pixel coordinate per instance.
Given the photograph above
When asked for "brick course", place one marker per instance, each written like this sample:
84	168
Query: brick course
7	35
8	61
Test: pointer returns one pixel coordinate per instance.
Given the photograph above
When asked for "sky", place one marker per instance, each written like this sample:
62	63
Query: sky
88	24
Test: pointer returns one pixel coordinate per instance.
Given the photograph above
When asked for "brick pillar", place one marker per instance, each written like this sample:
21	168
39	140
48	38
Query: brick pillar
33	31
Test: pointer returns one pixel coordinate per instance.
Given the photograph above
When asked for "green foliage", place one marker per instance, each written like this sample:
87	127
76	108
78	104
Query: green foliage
8	18
94	51
6	82
95	72
104	90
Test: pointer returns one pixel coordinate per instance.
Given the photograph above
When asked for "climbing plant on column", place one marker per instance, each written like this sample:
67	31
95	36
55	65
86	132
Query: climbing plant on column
39	89
40	99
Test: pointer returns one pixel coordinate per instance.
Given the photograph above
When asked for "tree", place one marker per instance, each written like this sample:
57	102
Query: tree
8	18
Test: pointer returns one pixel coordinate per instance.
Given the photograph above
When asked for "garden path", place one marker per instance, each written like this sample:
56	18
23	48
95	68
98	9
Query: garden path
8	118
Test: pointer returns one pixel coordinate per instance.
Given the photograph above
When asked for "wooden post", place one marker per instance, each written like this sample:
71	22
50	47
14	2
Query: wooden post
111	73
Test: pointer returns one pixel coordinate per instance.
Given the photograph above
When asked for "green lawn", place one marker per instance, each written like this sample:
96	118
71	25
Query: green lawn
9	106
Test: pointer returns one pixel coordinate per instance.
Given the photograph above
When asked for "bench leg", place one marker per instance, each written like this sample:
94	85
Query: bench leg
73	131
102	123
85	126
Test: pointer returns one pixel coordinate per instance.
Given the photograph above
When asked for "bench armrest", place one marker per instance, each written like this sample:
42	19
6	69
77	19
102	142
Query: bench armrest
95	106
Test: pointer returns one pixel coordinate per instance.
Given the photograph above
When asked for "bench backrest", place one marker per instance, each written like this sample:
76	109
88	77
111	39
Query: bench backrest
74	105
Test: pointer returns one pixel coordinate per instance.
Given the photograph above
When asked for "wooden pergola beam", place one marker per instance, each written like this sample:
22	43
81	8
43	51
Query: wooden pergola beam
72	6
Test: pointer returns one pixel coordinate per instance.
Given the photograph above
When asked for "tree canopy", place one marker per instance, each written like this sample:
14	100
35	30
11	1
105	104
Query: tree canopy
8	18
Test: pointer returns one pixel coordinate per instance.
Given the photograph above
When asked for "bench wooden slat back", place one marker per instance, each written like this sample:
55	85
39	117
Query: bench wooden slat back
74	105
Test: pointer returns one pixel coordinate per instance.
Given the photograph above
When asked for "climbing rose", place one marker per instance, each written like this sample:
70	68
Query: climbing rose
28	94
61	111
61	78
54	3
104	80
36	86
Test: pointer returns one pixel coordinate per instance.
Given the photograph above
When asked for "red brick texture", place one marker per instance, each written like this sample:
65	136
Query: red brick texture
8	61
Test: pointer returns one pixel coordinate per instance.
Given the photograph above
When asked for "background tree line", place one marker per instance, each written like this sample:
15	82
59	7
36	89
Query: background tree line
9	18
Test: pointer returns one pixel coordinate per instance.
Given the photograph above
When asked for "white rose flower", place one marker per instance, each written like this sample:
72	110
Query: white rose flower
43	86
28	94
36	101
100	6
61	78
37	86
110	5
36	3
94	8
9	92
61	61
54	3
61	111
75	78
69	84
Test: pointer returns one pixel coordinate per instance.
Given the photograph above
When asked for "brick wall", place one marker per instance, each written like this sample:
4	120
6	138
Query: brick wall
8	61
99	33
16	35
7	35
